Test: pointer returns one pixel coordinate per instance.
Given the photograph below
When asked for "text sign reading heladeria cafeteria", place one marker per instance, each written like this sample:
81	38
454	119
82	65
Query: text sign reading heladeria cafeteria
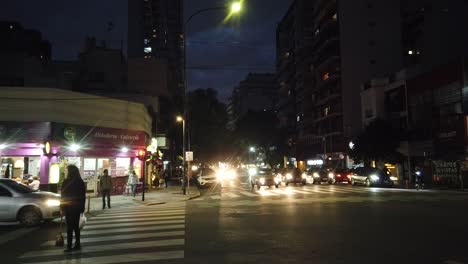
100	135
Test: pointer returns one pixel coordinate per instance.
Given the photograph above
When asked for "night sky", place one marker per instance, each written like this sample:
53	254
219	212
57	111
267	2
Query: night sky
219	54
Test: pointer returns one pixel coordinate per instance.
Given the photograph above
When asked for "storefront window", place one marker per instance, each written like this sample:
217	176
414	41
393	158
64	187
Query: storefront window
122	166
103	164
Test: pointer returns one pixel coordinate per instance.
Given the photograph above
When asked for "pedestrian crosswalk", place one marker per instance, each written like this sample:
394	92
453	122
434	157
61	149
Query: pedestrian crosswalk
143	233
322	190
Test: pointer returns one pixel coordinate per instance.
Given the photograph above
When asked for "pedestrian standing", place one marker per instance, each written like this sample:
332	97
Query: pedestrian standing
35	184
72	205
105	185
166	177
132	182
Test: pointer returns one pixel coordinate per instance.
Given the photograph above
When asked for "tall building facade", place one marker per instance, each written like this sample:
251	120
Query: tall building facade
155	31
325	50
258	92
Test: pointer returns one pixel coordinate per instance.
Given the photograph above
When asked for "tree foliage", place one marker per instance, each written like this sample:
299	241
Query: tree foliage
379	142
207	125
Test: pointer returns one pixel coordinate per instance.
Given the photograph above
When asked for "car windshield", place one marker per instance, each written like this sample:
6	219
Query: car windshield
264	171
17	187
207	172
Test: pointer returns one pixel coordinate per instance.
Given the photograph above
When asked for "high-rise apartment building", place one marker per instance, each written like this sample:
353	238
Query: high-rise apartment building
323	57
155	46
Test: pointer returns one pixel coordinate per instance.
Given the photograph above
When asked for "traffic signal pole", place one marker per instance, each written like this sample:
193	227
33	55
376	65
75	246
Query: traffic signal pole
144	180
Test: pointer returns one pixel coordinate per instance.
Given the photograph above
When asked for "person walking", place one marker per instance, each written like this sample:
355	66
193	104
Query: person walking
35	184
73	198
132	182
105	185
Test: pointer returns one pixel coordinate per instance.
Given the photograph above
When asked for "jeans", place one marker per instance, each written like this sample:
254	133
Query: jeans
133	187
72	217
106	193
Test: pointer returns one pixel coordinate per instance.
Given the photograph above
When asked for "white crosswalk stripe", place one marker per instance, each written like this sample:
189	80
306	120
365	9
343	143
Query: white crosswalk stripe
322	190
144	233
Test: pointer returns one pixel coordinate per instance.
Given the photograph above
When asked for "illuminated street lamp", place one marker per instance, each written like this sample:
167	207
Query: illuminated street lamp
252	149
236	7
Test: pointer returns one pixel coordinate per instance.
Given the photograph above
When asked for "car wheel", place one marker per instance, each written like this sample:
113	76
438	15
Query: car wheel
368	183
287	183
304	182
353	182
29	216
276	186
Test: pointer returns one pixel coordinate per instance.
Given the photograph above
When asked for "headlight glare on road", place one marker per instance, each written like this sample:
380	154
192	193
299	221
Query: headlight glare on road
277	180
289	176
393	178
262	181
316	175
252	171
304	175
374	177
53	202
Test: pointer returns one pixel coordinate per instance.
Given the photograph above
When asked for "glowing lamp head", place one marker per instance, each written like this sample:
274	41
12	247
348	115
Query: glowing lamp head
124	149
236	7
179	119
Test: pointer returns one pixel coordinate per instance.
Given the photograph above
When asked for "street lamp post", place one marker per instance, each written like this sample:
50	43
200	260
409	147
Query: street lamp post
181	119
235	8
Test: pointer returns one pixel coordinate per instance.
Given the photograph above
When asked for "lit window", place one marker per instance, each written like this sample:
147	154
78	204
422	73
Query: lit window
326	76
147	50
146	41
11	26
317	32
335	16
287	54
326	111
154	36
298	118
410	52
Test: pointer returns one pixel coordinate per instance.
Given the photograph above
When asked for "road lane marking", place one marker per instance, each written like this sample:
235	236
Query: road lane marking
127	230
132	224
138	215
15	234
97	248
123	237
248	194
145	219
230	195
145	209
124	258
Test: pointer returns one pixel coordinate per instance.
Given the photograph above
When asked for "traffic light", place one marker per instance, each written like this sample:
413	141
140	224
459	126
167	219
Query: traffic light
141	154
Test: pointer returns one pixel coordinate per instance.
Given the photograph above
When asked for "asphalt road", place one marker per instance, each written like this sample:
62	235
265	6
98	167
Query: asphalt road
294	224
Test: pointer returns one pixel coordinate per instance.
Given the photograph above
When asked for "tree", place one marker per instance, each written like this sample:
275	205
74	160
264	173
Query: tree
378	142
207	119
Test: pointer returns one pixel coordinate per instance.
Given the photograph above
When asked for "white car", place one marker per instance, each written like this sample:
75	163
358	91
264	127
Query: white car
207	176
20	203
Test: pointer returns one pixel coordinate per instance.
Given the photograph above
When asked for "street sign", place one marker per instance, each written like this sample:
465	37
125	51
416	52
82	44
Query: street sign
189	156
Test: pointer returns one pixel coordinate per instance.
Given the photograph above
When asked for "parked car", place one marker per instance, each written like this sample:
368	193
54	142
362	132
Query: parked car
370	177
20	203
264	177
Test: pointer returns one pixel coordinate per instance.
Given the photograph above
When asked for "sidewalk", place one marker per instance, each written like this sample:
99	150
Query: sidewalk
152	197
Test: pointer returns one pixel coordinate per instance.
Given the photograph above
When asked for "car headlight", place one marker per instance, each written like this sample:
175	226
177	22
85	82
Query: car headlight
252	171
374	177
393	178
289	176
316	175
231	174
262	181
277	180
331	175
53	202
304	176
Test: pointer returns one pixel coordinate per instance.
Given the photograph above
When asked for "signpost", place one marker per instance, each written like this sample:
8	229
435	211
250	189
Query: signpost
188	159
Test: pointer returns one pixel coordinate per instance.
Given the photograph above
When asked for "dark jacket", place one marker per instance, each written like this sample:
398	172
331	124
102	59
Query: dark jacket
73	194
105	182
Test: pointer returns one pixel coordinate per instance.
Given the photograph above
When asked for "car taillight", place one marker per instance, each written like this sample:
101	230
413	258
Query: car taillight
349	176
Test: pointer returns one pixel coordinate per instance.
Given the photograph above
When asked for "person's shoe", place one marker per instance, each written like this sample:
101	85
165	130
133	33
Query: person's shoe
77	248
68	250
